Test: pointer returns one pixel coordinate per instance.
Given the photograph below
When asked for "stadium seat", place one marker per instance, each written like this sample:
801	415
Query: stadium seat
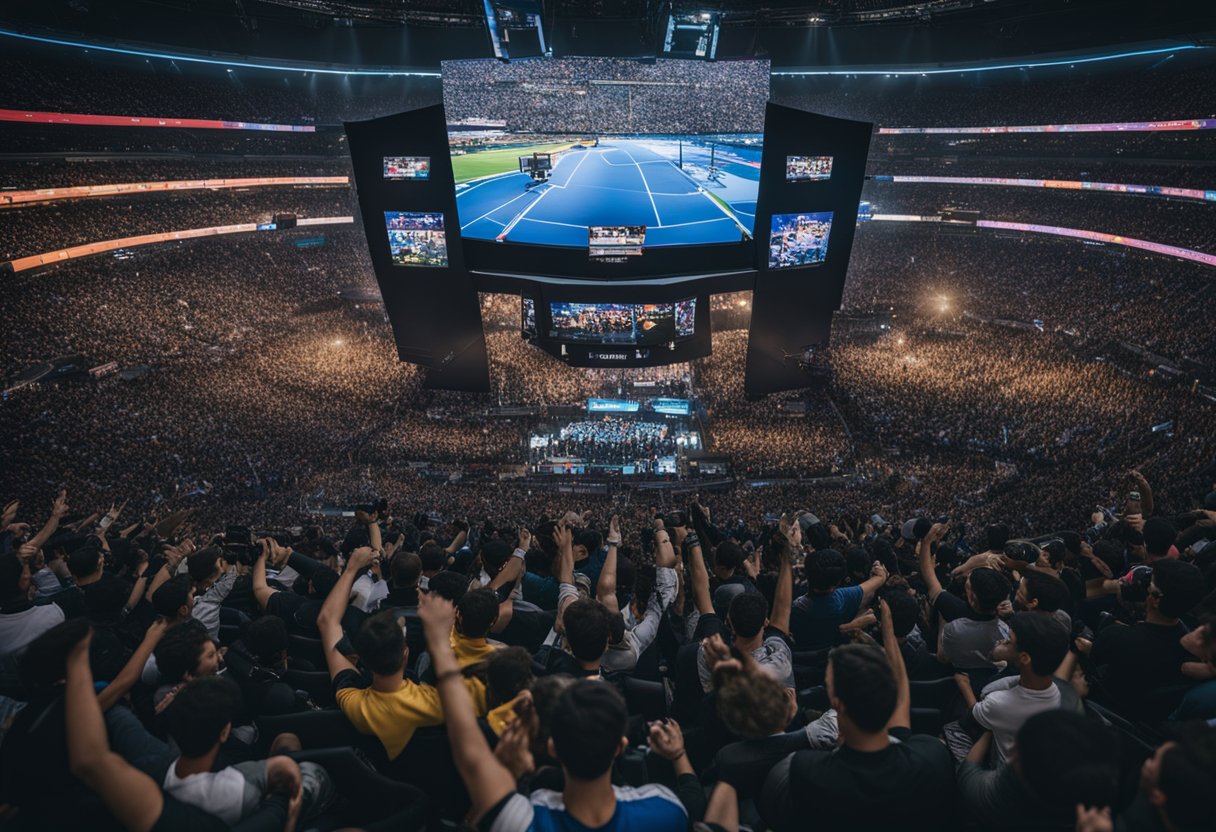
308	649
365	793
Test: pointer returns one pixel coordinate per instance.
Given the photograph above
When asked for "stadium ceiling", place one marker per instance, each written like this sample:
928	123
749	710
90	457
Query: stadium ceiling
420	33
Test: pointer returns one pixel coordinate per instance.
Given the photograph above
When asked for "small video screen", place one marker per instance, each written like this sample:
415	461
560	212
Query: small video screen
599	323
407	167
416	239
799	240
615	240
642	324
808	168
686	318
612	406
692	35
528	326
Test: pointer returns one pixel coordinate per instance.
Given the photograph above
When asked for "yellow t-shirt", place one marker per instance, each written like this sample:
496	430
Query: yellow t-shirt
394	717
470	650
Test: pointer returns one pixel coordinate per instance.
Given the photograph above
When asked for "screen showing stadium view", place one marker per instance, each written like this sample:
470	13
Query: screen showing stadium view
545	152
416	239
808	168
640	324
799	240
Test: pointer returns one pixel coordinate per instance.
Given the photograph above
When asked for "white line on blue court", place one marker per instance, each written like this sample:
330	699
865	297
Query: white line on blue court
507	230
657	218
492	210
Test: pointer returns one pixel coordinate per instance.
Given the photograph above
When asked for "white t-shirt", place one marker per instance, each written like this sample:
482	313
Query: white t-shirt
220	793
17	629
1006	705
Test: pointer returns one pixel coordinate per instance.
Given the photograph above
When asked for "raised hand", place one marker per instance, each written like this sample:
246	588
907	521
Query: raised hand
361	558
60	506
437	613
614	530
525	538
666	739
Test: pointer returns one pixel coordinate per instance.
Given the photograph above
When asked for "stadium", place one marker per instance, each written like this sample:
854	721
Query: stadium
567	414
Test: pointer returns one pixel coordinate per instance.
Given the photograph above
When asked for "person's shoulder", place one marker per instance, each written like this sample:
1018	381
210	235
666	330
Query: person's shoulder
927	748
650	798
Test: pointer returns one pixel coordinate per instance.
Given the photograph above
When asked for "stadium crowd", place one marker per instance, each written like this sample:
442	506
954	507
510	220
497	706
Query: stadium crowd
389	672
1081	94
1102	295
1179	222
39	227
566	96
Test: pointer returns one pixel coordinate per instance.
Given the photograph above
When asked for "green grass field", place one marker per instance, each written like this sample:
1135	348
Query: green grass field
489	162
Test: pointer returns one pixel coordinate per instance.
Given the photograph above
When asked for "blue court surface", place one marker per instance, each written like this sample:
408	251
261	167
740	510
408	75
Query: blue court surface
620	182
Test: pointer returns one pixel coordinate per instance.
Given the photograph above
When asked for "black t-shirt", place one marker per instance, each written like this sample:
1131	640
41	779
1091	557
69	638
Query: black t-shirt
907	785
1135	661
746	763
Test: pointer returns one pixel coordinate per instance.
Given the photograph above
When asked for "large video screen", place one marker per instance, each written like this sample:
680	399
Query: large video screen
544	152
416	239
799	240
612	323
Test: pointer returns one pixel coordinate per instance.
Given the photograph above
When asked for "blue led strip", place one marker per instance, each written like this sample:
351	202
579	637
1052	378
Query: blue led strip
231	62
988	68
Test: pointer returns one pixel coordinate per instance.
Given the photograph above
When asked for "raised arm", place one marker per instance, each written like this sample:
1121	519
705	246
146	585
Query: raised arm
329	620
871	585
902	716
173	558
133	797
1146	492
514	568
564	538
783	596
261	589
58	509
605	587
130	673
924	556
487	780
461	536
698	576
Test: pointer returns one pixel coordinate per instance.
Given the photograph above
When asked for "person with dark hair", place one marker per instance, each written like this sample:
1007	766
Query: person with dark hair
213	581
476	612
882	776
432	559
392	708
1036	646
972	627
21	621
1059	759
921	664
132	798
450	585
1159	536
636	627
587	733
200	721
817	615
1043	592
1139	667
508	677
186	652
1175	786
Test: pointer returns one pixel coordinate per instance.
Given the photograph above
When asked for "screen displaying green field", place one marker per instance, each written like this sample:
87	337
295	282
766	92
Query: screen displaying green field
479	163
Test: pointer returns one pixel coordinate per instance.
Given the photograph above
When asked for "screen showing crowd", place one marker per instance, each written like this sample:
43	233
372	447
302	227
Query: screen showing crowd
416	239
614	323
799	240
407	167
808	168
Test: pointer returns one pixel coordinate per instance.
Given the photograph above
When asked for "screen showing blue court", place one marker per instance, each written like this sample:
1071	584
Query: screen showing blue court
681	189
799	240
